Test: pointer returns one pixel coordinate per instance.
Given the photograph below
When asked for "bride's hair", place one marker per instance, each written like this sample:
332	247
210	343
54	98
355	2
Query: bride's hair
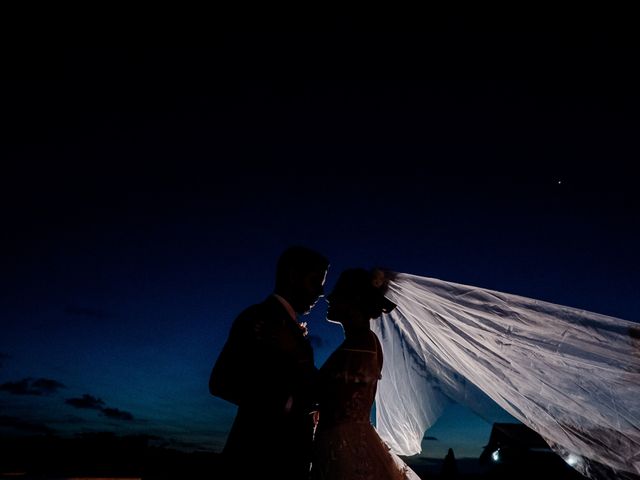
368	287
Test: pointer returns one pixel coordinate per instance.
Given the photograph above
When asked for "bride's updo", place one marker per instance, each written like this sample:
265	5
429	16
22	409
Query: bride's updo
367	288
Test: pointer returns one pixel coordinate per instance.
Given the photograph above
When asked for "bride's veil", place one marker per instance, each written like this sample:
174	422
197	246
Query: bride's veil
571	375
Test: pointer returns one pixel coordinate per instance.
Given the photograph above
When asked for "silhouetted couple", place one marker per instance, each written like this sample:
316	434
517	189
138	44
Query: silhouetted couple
267	369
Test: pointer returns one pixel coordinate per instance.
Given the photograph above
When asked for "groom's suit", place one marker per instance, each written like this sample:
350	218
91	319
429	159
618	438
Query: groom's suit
267	369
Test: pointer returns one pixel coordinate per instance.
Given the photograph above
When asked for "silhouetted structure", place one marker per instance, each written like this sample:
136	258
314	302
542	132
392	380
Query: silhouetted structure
449	467
516	450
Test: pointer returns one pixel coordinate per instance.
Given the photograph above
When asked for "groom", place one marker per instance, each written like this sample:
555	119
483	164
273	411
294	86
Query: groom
267	369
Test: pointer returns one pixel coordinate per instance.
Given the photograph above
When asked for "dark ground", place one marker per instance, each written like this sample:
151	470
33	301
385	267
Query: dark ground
107	455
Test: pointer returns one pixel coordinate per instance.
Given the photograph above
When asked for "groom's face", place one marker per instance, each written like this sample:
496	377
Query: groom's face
310	287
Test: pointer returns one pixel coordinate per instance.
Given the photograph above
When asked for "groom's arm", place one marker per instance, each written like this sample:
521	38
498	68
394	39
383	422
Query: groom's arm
255	367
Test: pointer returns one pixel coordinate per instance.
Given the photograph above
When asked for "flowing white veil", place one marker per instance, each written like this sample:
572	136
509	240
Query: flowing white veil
571	375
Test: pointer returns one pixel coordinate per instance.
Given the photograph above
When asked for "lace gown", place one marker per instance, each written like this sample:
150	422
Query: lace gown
346	444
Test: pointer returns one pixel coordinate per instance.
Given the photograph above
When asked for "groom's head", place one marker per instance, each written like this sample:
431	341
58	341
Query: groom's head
300	277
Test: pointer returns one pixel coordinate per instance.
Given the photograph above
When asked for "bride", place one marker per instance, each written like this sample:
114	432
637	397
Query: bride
346	445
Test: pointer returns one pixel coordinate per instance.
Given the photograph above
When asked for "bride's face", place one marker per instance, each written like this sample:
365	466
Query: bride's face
341	309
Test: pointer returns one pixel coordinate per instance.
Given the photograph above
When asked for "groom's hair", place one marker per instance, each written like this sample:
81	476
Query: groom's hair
299	259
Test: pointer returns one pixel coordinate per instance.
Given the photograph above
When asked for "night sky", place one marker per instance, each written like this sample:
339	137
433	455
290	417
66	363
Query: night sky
147	192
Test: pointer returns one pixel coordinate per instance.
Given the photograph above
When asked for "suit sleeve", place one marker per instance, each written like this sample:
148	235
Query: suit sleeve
261	365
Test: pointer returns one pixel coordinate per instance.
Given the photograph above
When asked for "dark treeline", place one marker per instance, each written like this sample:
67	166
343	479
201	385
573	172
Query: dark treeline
103	455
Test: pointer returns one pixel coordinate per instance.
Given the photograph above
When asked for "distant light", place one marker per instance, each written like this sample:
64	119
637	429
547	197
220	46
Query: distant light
495	456
572	459
559	182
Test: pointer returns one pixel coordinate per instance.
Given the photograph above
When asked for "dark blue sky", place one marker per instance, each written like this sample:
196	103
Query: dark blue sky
148	192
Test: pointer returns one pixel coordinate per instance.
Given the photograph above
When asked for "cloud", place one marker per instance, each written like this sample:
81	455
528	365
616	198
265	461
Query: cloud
30	386
86	312
23	425
46	385
93	403
86	401
117	414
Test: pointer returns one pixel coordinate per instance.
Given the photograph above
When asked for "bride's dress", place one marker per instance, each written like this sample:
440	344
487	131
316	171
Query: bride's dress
347	446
